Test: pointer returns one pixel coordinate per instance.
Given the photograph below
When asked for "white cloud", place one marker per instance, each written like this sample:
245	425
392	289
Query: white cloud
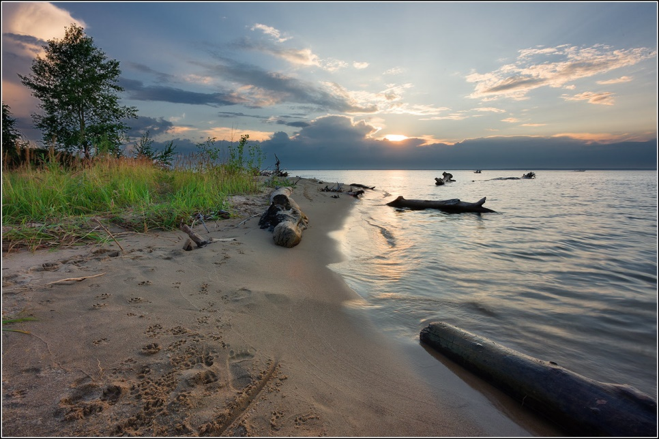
510	120
41	20
490	109
360	65
268	30
620	80
603	98
394	71
567	64
38	19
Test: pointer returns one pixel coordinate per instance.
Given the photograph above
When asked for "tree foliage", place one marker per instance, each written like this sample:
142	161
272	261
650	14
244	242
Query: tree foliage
10	135
144	149
77	86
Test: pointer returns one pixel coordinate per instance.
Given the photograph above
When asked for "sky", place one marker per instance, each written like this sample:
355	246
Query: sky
371	85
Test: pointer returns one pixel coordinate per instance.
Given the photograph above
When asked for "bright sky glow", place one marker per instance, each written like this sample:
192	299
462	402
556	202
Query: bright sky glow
422	74
395	137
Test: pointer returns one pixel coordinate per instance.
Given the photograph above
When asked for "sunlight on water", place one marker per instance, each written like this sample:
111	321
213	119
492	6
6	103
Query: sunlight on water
566	270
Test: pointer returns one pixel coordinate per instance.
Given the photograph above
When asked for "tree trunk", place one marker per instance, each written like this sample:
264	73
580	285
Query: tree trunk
578	404
284	218
453	205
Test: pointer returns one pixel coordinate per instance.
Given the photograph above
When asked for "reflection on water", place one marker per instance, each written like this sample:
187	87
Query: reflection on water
566	270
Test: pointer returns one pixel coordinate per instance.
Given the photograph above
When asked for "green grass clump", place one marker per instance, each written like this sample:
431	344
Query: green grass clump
9	321
50	204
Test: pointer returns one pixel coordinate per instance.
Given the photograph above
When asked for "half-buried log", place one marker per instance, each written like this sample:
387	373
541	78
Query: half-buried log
580	405
453	205
284	218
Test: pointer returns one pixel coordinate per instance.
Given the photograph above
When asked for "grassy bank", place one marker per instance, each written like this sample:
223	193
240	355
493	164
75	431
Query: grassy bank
54	205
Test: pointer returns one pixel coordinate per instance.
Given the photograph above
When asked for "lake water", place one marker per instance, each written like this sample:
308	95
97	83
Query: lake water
564	271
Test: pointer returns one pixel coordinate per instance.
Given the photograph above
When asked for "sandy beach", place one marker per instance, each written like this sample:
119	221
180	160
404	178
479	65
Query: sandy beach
238	338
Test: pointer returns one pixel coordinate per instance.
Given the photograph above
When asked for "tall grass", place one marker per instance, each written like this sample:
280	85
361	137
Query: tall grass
135	193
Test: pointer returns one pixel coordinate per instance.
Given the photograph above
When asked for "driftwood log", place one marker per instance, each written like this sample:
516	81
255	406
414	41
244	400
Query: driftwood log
453	205
284	218
579	405
201	242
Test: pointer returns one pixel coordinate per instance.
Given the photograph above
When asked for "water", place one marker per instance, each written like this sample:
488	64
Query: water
565	271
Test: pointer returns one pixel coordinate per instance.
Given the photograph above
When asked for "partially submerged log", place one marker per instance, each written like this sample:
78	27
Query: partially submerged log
284	218
454	205
362	186
446	178
580	405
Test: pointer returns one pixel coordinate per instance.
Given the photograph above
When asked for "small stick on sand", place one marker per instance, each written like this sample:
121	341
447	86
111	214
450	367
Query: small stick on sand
77	279
111	235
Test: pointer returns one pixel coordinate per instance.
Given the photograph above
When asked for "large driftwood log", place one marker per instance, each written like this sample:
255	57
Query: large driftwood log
453	205
580	405
284	218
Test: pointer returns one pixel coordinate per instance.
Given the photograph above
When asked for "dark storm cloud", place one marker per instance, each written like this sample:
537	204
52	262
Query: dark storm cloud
232	114
338	143
138	91
143	124
299	124
27	40
14	58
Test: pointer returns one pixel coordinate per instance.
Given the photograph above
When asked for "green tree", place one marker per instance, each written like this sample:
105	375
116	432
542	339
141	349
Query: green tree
11	138
77	87
144	148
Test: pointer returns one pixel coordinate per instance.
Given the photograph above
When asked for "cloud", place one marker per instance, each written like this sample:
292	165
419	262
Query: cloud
297	57
260	88
620	80
566	64
143	124
394	71
534	124
510	120
603	98
162	77
490	109
337	142
360	65
138	91
271	31
41	20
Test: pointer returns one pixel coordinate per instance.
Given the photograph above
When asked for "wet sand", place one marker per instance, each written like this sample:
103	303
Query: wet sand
238	338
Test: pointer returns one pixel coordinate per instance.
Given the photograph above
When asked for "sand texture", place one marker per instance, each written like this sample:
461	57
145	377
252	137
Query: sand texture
238	338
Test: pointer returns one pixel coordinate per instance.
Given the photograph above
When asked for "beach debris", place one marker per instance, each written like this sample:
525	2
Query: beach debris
111	235
337	188
453	205
527	176
74	279
446	178
355	194
276	173
201	242
362	186
284	218
581	405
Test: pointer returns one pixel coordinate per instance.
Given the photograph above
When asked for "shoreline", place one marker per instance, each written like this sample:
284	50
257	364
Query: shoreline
236	338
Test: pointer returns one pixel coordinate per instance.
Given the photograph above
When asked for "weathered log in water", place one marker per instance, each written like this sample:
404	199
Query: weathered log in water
362	186
284	218
454	205
580	405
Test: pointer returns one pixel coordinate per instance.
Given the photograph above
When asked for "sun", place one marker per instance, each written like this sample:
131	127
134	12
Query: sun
395	137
